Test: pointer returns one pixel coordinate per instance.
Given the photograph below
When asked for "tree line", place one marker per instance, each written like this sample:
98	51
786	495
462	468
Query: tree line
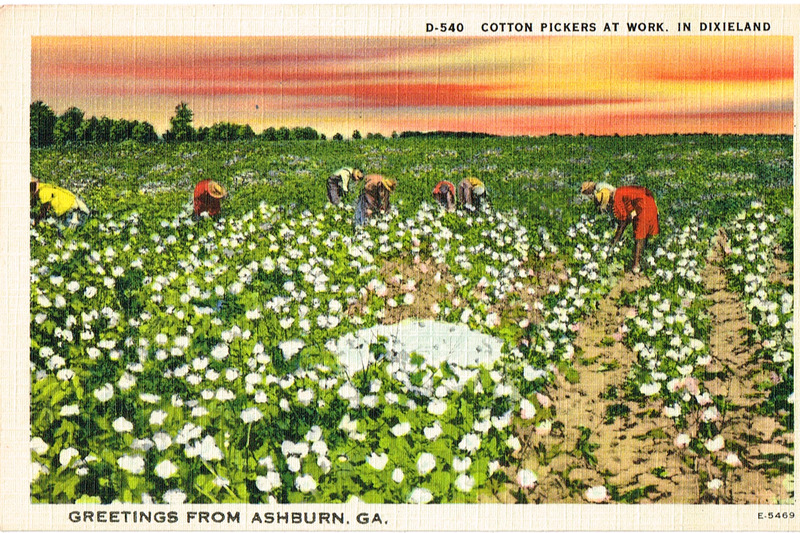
72	126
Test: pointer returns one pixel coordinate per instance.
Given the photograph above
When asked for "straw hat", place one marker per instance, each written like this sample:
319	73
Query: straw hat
82	206
390	184
216	190
603	197
357	174
587	187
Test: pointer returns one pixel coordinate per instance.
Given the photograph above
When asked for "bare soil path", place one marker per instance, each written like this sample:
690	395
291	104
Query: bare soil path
601	439
765	449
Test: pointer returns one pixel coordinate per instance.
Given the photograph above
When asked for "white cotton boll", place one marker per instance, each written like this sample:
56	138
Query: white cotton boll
122	425
650	389
209	450
157	417
733	460
104	393
293	464
165	469
715	444
174	497
268	482
598	494
378	462
526	479
425	463
305	483
401	429
133	464
397	475
39	446
162	441
470	442
437	407
464	483
420	496
527	409
319	447
432	433
482	426
251	415
461	465
313	435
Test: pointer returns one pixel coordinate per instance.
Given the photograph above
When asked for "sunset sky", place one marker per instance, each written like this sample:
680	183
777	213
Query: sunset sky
502	85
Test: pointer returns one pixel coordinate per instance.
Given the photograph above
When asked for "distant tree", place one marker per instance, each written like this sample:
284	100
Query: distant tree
356	135
182	129
322	137
219	131
42	122
102	131
86	130
283	134
269	134
395	135
337	136
120	130
305	134
66	127
144	132
374	136
245	132
202	133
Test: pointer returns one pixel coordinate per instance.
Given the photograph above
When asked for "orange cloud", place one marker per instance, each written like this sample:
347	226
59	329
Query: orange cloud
513	85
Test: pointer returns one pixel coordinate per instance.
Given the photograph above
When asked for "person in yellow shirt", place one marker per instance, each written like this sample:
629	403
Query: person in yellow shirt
52	198
471	192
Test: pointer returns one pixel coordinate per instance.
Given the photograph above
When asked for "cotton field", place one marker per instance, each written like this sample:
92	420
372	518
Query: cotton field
280	354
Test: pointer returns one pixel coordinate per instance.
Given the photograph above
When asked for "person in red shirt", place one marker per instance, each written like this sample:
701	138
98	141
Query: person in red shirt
445	194
635	205
208	195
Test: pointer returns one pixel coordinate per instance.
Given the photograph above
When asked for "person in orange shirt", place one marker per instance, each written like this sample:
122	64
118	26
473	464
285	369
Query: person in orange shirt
208	195
445	195
635	205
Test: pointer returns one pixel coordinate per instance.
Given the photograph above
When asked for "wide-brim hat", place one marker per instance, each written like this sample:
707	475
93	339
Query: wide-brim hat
587	187
603	197
82	206
389	184
216	190
357	174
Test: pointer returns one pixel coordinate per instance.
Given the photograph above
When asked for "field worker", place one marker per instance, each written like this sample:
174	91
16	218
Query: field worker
374	197
472	192
600	193
339	183
60	201
445	194
207	198
637	205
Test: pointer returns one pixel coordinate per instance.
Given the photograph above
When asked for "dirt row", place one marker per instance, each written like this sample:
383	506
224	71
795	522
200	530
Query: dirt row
599	439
